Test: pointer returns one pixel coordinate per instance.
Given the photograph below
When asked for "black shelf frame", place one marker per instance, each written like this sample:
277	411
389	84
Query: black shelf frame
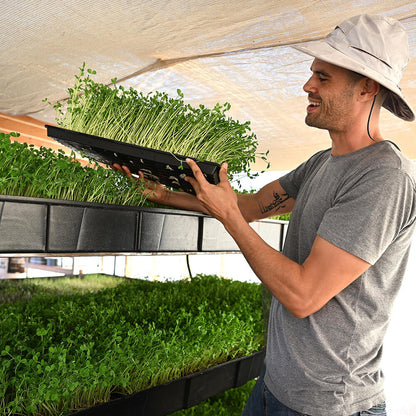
39	226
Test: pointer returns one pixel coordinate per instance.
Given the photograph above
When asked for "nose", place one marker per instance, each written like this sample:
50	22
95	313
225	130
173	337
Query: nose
308	86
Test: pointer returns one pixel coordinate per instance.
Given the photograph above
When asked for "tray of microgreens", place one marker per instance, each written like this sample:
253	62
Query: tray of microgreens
70	343
28	171
167	168
152	132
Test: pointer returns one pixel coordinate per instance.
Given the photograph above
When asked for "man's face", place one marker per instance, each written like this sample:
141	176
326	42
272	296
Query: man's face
331	97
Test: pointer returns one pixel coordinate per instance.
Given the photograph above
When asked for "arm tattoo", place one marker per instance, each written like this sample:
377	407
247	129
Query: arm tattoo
277	203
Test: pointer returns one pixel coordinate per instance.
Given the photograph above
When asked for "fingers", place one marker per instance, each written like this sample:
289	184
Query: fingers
195	169
122	169
126	171
199	179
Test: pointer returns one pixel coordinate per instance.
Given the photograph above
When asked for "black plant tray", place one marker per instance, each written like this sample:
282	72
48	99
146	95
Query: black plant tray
164	167
184	392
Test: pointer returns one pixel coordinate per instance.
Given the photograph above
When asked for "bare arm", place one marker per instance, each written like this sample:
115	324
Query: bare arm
302	288
305	288
159	194
269	201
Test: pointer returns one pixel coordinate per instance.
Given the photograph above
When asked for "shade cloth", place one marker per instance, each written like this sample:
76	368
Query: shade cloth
236	51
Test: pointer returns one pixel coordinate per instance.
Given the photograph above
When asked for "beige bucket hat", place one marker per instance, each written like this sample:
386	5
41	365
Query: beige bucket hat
373	46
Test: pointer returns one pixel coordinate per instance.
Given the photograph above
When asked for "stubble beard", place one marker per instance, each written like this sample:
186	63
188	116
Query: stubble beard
313	120
332	115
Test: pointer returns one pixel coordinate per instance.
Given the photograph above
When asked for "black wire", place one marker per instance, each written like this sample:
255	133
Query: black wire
368	121
189	266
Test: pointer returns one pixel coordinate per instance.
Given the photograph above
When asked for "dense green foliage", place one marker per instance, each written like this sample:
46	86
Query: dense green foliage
63	349
42	173
157	121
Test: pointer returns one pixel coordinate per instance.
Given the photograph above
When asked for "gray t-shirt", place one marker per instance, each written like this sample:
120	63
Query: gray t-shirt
363	202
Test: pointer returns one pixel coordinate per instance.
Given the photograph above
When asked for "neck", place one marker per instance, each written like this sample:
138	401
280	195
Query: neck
342	145
356	136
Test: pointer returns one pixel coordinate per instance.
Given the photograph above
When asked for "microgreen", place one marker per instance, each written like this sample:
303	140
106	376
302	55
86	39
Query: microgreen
158	121
62	352
43	173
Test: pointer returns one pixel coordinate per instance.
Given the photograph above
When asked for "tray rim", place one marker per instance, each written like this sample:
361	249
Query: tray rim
114	144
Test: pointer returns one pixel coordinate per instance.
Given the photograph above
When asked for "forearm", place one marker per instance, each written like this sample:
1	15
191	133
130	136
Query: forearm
181	200
159	194
248	207
302	288
269	201
279	274
282	276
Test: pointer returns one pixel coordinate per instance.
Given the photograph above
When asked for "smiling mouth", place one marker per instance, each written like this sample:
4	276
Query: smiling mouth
313	105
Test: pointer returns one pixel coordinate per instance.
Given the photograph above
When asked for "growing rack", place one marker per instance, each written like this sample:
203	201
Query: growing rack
47	226
44	227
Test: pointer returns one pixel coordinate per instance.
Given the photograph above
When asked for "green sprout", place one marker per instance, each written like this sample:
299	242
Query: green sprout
43	173
64	349
158	121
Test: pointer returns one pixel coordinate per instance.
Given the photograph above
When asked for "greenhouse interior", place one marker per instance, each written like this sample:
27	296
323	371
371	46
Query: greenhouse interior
92	275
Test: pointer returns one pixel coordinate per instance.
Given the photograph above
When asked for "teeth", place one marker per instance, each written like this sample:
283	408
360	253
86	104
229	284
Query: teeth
314	104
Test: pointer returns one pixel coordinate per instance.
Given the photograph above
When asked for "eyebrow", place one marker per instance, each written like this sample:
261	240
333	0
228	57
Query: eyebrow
320	72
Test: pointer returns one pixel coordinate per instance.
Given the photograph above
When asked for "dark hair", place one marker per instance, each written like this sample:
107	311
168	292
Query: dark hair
355	77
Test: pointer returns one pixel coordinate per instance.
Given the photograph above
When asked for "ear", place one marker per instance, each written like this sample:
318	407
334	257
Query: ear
369	89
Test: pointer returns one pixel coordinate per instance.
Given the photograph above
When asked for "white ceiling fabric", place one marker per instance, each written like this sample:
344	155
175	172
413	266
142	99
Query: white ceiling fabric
214	51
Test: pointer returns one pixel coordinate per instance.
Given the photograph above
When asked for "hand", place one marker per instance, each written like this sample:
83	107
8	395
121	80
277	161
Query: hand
153	191
219	200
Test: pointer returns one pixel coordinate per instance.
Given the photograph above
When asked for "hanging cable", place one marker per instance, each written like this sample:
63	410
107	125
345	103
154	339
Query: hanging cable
189	266
368	121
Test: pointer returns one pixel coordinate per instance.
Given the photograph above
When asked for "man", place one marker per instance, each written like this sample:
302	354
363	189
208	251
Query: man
353	213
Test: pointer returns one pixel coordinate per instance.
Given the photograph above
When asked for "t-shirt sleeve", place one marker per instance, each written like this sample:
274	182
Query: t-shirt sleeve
292	181
366	216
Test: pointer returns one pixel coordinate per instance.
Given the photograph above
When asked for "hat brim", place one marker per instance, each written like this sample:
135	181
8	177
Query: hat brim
395	102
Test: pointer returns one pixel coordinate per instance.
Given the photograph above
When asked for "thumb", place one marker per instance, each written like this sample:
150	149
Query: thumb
223	172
